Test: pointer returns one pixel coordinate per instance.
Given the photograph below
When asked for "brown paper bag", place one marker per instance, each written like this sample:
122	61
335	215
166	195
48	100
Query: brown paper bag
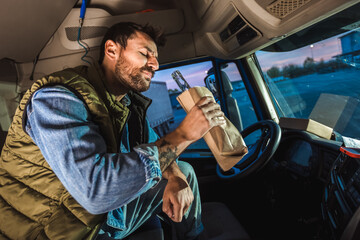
225	141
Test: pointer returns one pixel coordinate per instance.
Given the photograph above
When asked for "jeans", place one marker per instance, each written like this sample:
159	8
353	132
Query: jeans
149	203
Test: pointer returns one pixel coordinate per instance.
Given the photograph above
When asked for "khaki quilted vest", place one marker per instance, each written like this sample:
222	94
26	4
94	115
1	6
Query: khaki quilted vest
33	202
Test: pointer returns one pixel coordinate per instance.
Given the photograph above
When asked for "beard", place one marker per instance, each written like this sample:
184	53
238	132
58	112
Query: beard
132	78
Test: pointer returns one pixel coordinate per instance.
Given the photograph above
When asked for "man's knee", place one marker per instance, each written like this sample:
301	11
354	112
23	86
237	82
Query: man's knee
189	173
186	169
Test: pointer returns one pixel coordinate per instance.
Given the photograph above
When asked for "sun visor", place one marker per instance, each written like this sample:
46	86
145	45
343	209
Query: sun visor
27	26
98	21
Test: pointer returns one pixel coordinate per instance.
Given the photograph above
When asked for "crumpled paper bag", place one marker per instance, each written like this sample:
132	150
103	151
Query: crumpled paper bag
224	141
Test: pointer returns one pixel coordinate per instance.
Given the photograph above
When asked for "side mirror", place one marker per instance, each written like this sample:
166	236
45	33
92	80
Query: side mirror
180	80
210	83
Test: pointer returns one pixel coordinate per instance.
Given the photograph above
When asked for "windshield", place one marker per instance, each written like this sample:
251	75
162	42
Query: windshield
319	81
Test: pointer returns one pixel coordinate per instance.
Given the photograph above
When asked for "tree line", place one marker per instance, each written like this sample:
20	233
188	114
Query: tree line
308	67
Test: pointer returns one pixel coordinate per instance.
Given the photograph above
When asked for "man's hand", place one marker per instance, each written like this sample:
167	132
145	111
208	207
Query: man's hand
200	119
177	196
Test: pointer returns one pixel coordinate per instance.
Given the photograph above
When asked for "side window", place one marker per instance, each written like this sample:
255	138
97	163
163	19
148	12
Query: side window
240	108
165	112
230	72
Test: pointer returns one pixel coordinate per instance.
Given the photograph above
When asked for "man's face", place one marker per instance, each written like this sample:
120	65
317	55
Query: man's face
137	63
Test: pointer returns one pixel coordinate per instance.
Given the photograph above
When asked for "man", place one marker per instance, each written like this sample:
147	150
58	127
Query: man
81	161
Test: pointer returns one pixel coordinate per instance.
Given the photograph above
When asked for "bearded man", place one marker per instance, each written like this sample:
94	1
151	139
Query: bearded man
81	160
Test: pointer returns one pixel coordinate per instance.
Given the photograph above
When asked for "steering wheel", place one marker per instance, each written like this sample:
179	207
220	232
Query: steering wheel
258	154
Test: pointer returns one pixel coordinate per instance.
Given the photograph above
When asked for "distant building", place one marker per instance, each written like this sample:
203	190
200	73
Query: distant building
173	100
238	85
350	45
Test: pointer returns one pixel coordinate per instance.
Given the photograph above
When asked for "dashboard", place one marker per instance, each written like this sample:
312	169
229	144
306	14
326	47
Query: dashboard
307	155
299	155
341	201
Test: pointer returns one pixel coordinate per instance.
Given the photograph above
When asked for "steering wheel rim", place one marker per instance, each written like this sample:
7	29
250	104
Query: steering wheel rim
259	153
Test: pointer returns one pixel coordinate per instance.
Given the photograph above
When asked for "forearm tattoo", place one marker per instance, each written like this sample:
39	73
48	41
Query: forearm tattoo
168	154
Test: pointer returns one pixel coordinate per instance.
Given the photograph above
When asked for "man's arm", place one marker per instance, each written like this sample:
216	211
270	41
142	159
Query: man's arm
59	123
200	119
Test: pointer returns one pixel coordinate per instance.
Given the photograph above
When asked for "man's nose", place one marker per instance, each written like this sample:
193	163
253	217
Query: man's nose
153	63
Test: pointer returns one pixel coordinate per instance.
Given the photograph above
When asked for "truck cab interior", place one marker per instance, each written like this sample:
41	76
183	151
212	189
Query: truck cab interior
285	72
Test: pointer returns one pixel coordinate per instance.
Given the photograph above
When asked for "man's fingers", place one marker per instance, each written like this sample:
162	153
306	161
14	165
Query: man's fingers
167	208
174	211
214	114
178	212
212	111
209	106
186	208
204	100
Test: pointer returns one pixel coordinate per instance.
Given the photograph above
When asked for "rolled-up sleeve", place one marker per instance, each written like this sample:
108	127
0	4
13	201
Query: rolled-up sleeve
149	154
61	126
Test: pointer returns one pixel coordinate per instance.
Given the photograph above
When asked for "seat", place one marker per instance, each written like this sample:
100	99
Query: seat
151	229
219	224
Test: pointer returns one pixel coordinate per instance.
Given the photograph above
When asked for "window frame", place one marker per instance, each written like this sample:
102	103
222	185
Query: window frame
251	74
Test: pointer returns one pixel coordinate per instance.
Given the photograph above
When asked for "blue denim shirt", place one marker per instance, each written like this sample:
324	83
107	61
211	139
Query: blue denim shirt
60	125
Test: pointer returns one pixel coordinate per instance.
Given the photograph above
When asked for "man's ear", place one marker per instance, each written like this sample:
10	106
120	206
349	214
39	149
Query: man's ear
111	50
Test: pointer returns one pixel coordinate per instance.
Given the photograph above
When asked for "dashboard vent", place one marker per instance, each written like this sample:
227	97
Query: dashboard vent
246	35
239	28
282	8
86	32
236	24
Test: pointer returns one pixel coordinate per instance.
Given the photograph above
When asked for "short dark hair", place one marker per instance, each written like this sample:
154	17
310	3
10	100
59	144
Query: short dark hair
121	32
